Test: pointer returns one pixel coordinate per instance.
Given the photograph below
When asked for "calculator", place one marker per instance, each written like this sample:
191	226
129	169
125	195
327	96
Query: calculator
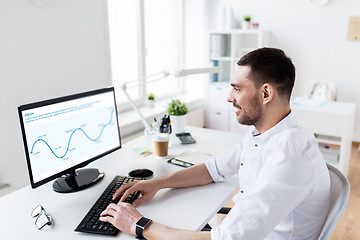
185	138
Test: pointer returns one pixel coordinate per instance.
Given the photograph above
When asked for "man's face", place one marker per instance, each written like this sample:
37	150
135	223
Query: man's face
245	97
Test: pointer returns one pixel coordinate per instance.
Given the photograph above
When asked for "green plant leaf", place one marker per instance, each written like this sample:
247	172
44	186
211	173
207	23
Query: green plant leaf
177	108
151	96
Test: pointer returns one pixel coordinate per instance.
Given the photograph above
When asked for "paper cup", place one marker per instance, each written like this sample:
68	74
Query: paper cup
161	142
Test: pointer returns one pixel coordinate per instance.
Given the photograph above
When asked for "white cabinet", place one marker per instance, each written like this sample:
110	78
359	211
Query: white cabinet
226	48
217	119
217	107
220	114
333	126
218	95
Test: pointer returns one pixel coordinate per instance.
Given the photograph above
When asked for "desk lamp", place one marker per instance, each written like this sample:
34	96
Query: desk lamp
159	76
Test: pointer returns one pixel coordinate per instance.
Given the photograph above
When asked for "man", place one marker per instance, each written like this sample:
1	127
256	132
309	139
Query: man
284	182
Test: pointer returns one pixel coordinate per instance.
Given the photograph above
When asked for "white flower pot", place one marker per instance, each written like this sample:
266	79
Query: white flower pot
150	103
178	123
245	25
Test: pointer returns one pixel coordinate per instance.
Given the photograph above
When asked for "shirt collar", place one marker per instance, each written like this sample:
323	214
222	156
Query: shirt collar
286	123
255	132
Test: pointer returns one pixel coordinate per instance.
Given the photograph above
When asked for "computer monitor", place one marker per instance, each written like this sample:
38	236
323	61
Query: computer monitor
63	134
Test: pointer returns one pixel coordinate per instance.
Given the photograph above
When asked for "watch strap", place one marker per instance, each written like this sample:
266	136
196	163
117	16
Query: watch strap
140	226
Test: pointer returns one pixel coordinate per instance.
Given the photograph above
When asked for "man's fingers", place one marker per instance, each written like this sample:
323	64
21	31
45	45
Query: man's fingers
121	189
122	215
128	192
107	219
110	210
108	215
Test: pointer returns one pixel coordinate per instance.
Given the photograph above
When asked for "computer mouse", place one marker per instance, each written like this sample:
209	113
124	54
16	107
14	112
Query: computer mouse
143	173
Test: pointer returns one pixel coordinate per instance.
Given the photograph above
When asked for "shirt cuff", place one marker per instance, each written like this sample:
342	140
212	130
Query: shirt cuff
213	170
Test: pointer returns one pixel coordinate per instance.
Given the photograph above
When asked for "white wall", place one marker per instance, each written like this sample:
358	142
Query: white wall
314	37
45	52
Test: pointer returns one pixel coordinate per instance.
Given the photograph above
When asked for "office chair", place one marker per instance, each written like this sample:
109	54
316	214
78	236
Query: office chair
321	91
339	195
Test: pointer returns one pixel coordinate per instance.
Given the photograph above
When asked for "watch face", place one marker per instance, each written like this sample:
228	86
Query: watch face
140	226
143	222
319	2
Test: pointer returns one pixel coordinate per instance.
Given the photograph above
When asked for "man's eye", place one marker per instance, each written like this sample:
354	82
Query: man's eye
237	89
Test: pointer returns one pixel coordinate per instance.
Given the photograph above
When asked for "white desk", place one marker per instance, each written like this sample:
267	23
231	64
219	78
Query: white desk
332	123
189	208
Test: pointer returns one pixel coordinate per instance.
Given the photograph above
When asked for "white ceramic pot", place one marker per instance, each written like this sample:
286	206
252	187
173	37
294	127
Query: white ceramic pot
245	25
178	123
150	103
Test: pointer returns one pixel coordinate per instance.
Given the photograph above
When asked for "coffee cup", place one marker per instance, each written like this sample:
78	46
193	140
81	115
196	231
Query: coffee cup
161	141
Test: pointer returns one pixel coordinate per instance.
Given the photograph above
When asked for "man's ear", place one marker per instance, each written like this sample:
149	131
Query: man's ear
268	92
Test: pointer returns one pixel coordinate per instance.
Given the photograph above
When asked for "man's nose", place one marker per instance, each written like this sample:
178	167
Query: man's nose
230	97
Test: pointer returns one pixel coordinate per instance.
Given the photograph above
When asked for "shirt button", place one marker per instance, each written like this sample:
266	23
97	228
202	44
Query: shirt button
256	145
242	191
241	164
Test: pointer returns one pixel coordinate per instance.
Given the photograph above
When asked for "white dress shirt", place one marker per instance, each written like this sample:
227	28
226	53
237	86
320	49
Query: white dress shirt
284	185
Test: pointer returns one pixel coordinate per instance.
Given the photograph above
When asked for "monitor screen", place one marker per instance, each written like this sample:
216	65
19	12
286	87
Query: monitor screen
63	134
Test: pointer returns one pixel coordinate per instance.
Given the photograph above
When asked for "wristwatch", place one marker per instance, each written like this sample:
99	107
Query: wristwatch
141	225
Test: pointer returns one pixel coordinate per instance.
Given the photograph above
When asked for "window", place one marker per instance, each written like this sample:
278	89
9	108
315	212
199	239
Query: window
145	39
163	42
123	44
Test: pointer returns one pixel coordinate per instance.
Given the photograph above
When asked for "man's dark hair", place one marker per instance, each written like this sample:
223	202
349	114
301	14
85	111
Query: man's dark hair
270	65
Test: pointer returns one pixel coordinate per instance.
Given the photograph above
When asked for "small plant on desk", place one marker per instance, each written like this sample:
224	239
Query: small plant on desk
177	108
177	111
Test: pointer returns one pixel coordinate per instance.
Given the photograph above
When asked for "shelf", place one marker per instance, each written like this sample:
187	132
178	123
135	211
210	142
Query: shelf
234	31
226	46
223	76
328	139
331	153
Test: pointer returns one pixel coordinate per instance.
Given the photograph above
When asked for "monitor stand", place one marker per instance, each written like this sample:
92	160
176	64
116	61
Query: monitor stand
77	180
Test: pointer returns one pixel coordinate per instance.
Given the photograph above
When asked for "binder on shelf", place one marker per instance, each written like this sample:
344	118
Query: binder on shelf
215	76
219	45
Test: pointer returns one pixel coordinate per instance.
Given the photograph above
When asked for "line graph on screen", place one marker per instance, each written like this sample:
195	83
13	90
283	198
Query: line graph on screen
62	151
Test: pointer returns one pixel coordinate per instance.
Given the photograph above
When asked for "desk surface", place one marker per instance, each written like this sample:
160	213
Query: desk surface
189	208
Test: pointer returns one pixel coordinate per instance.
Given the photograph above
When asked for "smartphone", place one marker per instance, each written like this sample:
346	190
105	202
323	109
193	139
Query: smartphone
180	163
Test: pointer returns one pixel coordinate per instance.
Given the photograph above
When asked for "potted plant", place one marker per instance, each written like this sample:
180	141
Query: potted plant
177	111
151	100
246	23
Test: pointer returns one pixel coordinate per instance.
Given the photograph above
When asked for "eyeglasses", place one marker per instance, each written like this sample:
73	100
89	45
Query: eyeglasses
43	218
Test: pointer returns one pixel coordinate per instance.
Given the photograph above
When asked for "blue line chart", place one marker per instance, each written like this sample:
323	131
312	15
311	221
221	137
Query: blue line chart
79	129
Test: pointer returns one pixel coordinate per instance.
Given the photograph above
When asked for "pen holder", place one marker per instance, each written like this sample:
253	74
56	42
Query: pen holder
165	129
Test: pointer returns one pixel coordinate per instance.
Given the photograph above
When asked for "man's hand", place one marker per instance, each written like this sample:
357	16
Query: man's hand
148	189
193	176
123	216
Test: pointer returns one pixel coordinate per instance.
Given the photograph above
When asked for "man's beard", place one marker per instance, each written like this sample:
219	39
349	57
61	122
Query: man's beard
253	113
